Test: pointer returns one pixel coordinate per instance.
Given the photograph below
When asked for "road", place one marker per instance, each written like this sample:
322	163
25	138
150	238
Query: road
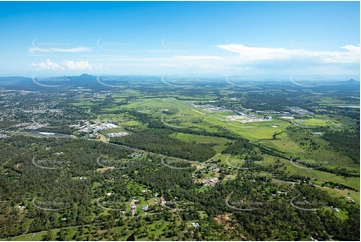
176	127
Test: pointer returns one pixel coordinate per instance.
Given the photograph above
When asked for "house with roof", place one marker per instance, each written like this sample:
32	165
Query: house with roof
195	225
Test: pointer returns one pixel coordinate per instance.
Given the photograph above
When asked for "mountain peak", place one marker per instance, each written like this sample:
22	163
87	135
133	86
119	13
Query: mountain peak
85	75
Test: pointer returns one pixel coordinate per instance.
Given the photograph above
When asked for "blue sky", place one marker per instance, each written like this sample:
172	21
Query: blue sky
268	39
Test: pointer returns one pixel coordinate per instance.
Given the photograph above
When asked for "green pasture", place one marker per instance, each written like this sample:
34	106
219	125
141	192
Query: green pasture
204	139
344	193
284	143
315	122
26	237
353	182
332	101
129	123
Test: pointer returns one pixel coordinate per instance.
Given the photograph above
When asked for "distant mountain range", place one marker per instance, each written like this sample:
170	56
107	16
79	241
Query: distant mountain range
90	81
352	81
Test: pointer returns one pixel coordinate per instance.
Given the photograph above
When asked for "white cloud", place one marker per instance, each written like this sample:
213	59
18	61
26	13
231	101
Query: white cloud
198	57
165	51
80	65
247	60
36	48
69	65
48	65
352	48
69	50
247	68
246	54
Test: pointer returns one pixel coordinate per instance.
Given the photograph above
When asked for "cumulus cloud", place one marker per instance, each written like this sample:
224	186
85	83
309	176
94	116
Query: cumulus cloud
80	65
69	65
246	53
352	48
48	65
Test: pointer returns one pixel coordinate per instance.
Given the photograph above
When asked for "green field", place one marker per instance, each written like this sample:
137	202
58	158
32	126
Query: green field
261	132
204	139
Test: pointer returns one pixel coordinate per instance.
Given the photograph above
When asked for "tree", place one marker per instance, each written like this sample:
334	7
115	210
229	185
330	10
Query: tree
49	236
62	235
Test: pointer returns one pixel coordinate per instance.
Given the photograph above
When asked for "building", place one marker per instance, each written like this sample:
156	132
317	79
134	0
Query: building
349	199
317	133
282	193
195	225
162	200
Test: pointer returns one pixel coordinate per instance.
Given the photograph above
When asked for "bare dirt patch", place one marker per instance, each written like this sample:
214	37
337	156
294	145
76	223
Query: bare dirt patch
227	221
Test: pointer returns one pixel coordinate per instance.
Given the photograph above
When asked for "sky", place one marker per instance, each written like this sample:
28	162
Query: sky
260	39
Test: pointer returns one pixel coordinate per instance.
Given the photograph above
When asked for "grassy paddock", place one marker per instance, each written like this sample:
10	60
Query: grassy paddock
204	139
